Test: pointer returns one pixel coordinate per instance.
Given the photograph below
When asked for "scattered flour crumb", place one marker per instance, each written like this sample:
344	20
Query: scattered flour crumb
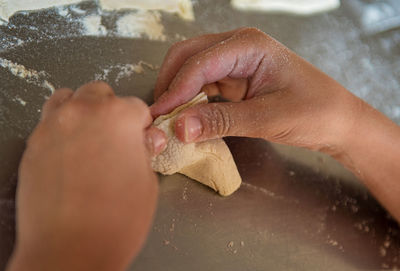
354	208
332	242
30	76
382	251
168	243
124	70
22	102
184	193
129	69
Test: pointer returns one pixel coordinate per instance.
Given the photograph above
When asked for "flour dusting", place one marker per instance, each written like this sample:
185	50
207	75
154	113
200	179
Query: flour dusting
141	23
9	7
93	26
183	8
31	76
20	100
121	71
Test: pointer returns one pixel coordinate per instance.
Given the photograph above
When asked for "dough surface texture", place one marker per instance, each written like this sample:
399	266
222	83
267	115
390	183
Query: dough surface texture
209	162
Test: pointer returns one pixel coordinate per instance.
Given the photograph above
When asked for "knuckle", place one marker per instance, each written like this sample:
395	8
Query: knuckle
95	90
176	48
131	108
218	120
140	106
255	34
99	85
68	114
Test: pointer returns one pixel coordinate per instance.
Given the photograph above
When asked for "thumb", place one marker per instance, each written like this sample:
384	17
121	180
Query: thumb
216	120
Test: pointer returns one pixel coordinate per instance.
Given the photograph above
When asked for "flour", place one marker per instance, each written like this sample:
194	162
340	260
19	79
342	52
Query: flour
142	20
181	7
141	23
9	7
121	71
93	27
137	24
30	76
20	100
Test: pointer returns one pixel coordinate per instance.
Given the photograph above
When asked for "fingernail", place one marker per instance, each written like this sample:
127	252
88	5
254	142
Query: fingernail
159	142
193	128
156	143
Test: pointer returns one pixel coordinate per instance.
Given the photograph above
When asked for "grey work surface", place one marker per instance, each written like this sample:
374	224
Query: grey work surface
296	210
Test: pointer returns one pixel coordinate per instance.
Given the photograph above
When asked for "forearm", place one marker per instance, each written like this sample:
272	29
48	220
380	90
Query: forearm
371	151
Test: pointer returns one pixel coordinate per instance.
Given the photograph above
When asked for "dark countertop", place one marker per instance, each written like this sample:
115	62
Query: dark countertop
296	210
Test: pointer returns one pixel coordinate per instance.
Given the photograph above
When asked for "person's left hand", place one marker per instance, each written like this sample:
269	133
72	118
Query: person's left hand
86	193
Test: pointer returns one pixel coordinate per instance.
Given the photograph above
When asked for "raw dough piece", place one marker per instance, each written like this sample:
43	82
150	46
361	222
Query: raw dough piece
209	162
302	7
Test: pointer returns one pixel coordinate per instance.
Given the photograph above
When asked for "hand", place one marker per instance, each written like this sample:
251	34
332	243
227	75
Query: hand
286	99
278	96
86	193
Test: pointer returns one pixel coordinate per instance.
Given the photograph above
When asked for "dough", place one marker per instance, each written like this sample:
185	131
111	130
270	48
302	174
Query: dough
209	162
183	8
302	7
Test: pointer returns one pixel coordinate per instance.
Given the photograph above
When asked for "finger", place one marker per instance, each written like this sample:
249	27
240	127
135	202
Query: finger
156	140
233	89
217	120
211	90
180	52
229	58
95	91
140	110
56	100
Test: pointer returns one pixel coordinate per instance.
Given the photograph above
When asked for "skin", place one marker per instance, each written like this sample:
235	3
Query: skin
278	96
86	193
85	183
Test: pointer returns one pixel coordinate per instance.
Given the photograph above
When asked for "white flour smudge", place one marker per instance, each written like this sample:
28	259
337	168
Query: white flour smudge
21	101
93	27
183	8
141	23
30	76
138	24
121	71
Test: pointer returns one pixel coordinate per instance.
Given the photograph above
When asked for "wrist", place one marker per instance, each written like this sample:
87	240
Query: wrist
341	123
369	139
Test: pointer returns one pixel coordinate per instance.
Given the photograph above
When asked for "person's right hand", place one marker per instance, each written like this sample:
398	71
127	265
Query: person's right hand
286	99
